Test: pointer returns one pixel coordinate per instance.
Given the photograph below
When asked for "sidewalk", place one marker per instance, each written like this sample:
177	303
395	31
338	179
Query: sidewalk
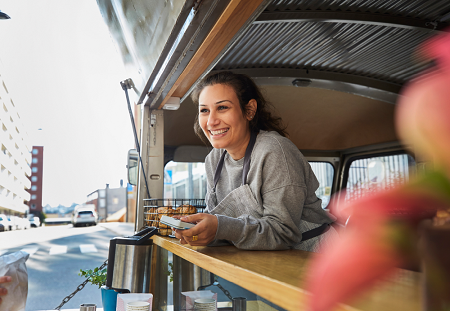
120	229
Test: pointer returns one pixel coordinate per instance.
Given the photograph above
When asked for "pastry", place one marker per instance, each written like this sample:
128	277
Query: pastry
163	211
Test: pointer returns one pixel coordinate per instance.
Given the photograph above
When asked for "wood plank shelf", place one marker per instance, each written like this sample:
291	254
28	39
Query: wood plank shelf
278	276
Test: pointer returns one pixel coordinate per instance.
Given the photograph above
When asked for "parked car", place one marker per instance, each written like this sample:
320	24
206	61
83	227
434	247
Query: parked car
35	222
24	223
14	222
84	216
4	222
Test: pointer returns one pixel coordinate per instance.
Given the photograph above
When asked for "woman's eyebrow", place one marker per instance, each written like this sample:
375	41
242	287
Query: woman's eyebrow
225	100
219	102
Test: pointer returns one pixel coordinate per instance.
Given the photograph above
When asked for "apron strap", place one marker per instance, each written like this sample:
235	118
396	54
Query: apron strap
247	158
315	232
219	169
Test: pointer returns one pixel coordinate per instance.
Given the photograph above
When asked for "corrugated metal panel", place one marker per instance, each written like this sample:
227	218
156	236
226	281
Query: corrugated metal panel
373	51
422	9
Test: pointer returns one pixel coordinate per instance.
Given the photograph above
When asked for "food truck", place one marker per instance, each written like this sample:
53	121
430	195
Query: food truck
333	70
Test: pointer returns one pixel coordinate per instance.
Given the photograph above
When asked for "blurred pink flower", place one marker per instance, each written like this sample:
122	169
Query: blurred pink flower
374	243
381	228
423	112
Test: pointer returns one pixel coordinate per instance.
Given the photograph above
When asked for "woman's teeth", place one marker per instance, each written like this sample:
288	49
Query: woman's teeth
219	132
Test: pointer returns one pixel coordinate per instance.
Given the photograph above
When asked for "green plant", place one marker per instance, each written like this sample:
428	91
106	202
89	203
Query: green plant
169	271
42	217
95	277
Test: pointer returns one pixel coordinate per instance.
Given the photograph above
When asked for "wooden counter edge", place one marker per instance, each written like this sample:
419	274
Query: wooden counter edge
282	294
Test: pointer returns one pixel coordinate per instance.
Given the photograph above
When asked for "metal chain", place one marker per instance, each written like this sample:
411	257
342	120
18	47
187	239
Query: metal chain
227	293
79	287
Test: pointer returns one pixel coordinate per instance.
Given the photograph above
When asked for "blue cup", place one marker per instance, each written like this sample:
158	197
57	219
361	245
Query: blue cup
109	298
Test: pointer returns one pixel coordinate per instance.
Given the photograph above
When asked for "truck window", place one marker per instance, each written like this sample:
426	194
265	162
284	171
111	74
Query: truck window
184	180
368	175
188	180
324	172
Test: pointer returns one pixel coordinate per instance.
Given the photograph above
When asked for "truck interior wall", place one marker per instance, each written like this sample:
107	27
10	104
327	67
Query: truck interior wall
317	119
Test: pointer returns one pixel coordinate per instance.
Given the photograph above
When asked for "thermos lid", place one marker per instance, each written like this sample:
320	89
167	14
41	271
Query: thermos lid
131	240
140	238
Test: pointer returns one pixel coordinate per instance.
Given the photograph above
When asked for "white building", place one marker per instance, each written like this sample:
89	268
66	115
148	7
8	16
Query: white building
15	157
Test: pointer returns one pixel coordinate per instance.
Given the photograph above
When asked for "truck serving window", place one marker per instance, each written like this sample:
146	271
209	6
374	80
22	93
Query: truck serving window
377	173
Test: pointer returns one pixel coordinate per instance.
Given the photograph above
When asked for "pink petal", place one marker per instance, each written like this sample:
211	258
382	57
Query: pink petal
366	251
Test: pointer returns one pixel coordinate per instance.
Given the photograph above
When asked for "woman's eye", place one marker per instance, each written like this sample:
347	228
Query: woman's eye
203	110
222	107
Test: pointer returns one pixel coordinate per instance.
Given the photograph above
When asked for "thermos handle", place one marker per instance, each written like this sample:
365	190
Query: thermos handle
146	234
144	231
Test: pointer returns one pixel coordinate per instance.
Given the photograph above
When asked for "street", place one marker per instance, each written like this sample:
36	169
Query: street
56	256
57	253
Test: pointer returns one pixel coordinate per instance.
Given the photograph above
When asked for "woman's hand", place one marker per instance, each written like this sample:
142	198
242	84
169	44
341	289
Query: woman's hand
3	291
204	230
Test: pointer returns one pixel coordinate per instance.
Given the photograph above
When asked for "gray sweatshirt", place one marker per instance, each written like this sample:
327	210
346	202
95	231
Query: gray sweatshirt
278	204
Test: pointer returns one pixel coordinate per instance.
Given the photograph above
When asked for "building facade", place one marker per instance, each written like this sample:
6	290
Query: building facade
37	165
108	201
15	157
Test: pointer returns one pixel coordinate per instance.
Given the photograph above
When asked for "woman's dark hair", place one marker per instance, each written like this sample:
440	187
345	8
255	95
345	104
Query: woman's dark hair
246	90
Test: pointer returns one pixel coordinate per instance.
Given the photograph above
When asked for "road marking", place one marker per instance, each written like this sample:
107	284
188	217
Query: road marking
30	250
88	248
3	251
59	249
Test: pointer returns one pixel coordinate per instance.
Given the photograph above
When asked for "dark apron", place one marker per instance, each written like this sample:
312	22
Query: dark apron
241	201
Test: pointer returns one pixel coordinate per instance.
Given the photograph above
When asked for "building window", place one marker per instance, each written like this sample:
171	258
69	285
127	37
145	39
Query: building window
33	206
33	178
33	188
35	160
34	169
35	151
33	197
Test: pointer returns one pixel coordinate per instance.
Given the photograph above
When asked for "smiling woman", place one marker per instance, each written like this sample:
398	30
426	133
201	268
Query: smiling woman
261	190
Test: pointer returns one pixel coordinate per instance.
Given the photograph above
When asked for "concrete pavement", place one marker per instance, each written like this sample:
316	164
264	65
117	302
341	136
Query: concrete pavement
121	229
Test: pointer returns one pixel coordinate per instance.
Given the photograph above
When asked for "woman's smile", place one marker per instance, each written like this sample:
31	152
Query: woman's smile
216	133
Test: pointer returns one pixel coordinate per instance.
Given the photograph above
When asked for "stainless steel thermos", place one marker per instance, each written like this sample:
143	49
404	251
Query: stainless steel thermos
129	262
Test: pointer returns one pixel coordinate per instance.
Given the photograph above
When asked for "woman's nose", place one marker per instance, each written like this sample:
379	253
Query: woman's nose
213	119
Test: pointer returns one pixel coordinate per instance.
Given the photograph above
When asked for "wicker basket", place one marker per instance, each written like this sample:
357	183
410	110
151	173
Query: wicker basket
154	209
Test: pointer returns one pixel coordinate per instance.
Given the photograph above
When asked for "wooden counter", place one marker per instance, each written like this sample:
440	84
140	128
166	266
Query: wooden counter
278	276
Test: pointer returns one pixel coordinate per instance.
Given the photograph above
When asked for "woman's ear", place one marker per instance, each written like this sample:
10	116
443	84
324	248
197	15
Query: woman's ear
252	105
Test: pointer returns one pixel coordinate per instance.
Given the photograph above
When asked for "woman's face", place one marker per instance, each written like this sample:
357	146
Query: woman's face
221	119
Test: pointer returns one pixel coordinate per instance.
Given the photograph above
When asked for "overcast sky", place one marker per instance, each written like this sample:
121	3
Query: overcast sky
62	70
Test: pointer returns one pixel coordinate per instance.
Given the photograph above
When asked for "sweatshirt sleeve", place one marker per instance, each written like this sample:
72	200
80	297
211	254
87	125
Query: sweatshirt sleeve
276	230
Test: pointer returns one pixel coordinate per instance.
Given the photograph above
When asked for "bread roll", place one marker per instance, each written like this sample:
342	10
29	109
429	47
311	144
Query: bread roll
150	216
165	232
178	210
188	209
164	211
